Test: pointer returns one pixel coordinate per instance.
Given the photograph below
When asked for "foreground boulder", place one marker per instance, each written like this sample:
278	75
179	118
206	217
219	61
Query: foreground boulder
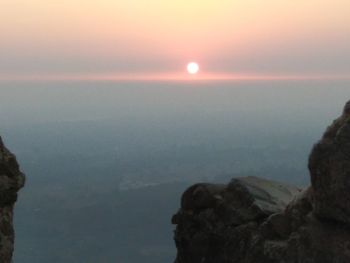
257	220
242	200
329	166
11	180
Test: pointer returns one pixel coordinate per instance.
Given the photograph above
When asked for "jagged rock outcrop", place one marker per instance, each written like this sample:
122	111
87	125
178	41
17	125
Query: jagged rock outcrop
11	180
252	220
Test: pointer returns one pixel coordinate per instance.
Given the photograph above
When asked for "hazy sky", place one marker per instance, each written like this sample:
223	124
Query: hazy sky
142	36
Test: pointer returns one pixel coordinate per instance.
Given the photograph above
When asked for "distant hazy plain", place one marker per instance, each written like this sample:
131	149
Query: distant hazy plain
128	148
177	102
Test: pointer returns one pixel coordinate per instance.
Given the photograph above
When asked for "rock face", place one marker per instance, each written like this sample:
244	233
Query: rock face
252	220
329	166
11	180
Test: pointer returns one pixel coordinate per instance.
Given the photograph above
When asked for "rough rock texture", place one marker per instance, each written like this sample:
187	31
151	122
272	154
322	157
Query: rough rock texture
11	180
256	220
329	166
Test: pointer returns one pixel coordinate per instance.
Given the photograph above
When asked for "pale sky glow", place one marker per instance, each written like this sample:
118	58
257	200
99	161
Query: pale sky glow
155	37
172	76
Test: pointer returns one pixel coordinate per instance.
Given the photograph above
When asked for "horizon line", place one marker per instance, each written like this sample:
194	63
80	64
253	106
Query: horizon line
136	77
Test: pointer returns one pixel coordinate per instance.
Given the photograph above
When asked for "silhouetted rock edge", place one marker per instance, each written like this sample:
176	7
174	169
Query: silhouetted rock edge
11	180
252	219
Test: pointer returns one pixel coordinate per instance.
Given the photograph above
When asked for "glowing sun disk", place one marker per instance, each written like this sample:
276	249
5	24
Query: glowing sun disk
192	68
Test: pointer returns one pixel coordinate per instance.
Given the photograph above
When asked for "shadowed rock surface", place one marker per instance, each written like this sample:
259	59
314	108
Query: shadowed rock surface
257	220
11	180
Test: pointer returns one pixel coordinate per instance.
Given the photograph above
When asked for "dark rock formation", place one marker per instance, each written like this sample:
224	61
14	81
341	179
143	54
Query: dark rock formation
329	166
252	220
11	180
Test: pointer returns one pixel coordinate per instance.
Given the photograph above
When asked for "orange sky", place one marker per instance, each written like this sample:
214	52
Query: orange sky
271	36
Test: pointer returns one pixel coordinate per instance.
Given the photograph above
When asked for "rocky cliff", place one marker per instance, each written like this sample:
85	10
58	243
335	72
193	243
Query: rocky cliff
11	180
253	220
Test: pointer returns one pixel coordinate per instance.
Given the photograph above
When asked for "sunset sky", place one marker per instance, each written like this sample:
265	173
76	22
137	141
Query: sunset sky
272	37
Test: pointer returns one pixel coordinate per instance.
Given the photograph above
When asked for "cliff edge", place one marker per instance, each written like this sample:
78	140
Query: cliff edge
11	180
253	220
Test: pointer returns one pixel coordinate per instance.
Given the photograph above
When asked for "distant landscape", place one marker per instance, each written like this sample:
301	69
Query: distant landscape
113	109
105	175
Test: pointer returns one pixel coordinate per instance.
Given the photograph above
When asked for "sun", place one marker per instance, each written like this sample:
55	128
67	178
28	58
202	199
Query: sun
192	68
